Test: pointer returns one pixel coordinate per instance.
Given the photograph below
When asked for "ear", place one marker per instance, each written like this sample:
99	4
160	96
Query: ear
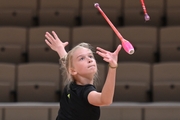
72	71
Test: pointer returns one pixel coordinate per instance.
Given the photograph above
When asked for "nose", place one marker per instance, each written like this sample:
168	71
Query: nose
89	60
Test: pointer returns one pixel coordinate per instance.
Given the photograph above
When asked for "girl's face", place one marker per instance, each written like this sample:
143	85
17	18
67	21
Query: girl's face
83	63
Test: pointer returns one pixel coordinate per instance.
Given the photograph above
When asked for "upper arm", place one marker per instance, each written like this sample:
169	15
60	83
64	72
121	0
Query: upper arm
94	98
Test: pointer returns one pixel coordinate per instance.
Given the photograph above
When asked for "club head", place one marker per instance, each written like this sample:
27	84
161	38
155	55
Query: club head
96	5
146	17
128	47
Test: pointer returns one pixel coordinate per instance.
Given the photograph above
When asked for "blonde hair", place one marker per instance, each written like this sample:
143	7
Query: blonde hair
67	64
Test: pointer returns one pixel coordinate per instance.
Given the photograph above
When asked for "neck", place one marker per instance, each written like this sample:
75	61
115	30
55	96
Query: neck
81	80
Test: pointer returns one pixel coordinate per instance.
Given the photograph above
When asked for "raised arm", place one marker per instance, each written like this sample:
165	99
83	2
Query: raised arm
56	44
106	96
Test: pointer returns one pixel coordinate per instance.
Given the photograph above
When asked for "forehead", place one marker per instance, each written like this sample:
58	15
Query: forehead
81	51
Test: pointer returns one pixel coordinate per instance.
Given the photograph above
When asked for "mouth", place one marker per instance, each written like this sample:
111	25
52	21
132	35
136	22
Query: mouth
91	66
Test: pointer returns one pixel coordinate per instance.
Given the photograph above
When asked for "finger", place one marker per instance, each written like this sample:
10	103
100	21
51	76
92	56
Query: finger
55	35
118	49
48	43
106	59
105	56
102	50
65	44
47	33
49	37
100	53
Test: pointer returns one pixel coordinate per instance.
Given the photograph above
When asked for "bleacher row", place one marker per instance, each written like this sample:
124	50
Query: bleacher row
135	82
82	12
152	45
116	111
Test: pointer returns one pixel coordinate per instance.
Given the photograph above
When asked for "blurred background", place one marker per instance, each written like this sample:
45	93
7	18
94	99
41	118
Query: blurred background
147	84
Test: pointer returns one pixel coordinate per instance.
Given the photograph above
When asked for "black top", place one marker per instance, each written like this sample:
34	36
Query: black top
74	104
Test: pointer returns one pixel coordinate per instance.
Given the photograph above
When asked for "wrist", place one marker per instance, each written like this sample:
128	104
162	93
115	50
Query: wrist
61	52
113	67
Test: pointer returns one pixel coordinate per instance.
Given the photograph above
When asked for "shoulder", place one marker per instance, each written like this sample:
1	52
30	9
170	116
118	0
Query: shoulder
88	87
82	90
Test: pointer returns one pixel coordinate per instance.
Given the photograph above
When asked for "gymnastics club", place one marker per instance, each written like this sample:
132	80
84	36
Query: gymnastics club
146	16
125	43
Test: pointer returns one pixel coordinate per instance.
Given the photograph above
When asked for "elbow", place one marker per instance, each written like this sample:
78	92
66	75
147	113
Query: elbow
107	103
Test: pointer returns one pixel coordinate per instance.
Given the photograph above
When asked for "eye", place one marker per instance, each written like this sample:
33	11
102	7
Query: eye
81	58
91	56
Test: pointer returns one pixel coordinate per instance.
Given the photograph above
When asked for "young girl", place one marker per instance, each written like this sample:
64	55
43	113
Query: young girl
80	100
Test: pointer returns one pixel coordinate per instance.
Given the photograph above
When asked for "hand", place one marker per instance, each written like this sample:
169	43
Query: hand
111	58
54	42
